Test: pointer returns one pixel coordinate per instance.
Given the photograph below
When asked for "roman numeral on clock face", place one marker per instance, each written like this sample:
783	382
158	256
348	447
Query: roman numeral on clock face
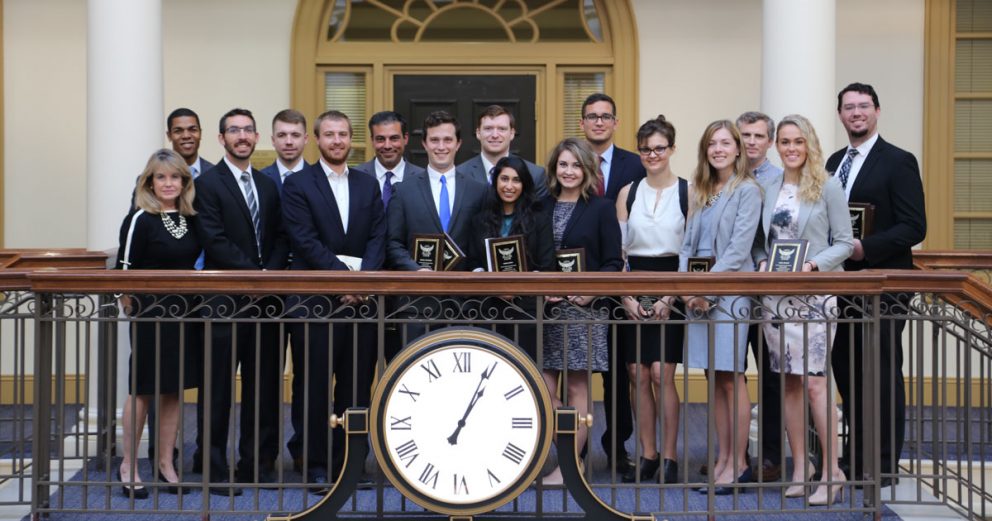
401	424
412	394
514	453
407	452
461	485
493	480
513	392
523	423
463	362
429	476
433	373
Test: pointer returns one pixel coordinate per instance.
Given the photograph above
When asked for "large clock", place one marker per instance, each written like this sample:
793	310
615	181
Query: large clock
461	421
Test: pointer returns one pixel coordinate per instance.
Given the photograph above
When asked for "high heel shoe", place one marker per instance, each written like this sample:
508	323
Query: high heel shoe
136	492
670	471
649	471
171	487
800	490
829	494
726	489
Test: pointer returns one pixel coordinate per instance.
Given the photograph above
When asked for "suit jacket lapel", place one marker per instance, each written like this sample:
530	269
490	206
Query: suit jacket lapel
424	186
580	208
320	184
615	170
771	197
227	179
873	155
462	183
805	209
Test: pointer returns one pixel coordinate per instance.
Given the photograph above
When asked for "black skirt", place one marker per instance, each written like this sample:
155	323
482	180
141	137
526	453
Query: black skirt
653	347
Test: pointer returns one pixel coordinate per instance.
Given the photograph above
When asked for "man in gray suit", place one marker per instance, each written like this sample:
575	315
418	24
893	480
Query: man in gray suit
495	132
182	128
289	137
390	135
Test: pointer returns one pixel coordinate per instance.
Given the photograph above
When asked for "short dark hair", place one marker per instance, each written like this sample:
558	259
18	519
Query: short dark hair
388	116
493	111
179	113
331	115
599	96
860	88
440	117
293	117
236	112
658	125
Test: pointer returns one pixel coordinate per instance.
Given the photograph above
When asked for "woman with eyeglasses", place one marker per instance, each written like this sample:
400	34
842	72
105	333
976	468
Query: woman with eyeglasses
723	218
158	234
652	212
806	203
512	209
580	219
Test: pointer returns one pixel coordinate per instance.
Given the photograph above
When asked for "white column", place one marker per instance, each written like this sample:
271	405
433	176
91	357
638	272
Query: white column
125	123
799	64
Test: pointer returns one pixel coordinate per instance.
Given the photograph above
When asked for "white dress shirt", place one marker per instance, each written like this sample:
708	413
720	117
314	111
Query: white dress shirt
237	178
339	187
449	179
285	171
398	171
856	162
605	165
196	168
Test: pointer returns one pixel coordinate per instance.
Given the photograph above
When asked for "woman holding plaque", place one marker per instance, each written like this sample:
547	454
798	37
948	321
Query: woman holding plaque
652	215
511	210
805	203
724	212
581	221
158	234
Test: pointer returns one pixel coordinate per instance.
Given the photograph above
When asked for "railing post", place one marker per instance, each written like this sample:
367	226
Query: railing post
41	407
106	400
872	447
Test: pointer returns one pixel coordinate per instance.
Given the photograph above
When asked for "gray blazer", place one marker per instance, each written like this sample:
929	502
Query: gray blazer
736	217
826	224
475	169
408	170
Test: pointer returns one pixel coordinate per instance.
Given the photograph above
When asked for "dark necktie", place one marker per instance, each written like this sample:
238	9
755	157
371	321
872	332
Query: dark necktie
387	190
600	178
252	209
845	169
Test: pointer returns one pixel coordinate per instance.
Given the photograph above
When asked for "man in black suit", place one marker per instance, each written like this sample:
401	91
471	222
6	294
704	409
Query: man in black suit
240	226
289	137
335	221
438	200
618	168
873	171
495	132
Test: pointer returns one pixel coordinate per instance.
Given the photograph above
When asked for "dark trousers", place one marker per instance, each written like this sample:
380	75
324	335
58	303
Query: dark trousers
848	366
616	401
769	400
349	357
256	349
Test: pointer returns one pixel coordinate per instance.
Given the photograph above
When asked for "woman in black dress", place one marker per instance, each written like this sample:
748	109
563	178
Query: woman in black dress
512	209
158	235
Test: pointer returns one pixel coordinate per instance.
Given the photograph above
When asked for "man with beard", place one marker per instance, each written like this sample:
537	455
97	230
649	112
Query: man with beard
335	221
289	136
618	168
496	130
240	226
873	171
390	136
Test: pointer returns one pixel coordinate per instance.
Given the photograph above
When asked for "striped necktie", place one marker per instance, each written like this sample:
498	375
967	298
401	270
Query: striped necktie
253	209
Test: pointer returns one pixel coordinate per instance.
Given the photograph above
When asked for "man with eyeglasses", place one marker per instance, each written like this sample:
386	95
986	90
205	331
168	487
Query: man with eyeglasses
618	168
239	223
495	132
873	171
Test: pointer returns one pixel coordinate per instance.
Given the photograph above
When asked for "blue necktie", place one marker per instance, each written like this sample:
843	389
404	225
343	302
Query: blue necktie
387	190
845	169
444	211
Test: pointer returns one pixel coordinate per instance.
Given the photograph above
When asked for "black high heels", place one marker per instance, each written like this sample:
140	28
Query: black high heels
136	492
649	471
726	489
171	487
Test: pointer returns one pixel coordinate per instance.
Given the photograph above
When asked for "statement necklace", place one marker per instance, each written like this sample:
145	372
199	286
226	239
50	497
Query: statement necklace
713	198
175	230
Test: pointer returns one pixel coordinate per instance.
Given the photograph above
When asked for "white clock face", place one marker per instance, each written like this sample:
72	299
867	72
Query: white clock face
461	425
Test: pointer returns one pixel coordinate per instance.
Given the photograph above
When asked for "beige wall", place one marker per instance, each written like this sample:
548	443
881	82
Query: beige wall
697	65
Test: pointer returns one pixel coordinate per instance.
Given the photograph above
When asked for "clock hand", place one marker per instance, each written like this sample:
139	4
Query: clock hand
479	390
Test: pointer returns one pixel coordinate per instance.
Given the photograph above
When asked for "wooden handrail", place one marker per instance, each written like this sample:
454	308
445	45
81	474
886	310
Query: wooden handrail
953	260
64	258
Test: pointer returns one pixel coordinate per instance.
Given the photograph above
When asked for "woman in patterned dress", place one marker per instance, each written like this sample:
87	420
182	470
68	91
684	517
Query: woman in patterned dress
805	203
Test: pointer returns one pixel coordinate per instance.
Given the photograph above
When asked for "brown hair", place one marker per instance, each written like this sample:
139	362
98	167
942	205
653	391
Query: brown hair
587	159
704	178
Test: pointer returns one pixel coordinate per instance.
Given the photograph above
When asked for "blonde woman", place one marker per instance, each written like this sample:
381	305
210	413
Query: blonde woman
157	235
723	218
805	203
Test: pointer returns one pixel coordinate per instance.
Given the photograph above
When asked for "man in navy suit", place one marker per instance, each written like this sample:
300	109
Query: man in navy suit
335	221
289	137
496	130
182	128
389	134
619	168
873	171
239	223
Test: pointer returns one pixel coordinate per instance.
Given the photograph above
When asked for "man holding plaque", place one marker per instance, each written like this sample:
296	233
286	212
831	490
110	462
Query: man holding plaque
873	171
335	221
